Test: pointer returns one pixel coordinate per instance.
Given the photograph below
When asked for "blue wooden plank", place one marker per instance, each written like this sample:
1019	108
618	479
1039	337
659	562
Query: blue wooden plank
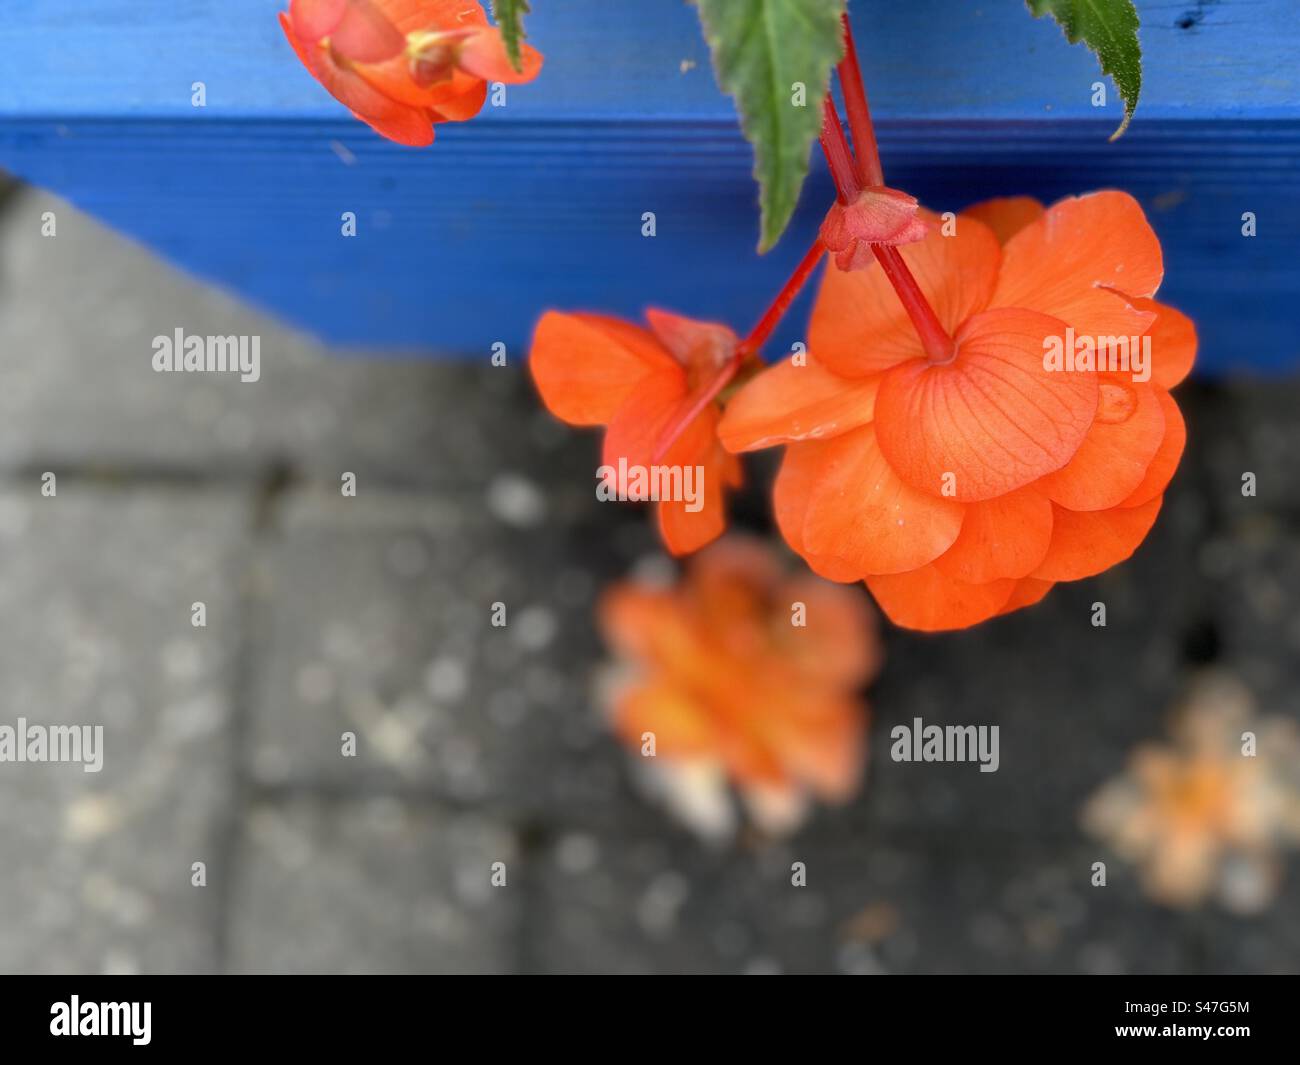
539	204
926	59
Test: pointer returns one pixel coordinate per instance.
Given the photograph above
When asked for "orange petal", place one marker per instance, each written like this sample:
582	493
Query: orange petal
682	725
861	513
818	737
463	107
484	56
410	126
1165	463
928	600
643	623
1173	343
838	642
1087	542
1067	262
397	122
798	476
1114	457
704	346
785	403
411	15
859	326
1003	537
586	365
1027	592
686	525
393	78
313	19
1005	215
991	420
364	34
635	429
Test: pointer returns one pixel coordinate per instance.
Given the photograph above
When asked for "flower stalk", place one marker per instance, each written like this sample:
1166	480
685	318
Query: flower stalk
746	350
852	173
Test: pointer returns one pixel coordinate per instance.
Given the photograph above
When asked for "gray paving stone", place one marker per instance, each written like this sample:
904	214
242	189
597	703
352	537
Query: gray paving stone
874	902
376	620
1257	432
371	886
1255	561
78	314
96	588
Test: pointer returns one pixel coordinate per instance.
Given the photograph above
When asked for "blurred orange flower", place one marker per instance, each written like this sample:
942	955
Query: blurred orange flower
1207	816
403	66
655	392
742	674
965	488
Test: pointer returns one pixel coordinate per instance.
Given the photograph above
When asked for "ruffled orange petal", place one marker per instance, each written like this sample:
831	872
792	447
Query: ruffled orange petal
798	477
1003	537
585	366
644	623
703	346
819	737
859	327
837	641
484	56
1085	543
411	15
1114	457
393	79
863	514
1069	262
1173	343
991	420
1027	592
682	727
928	600
1005	215
313	19
637	425
397	122
365	35
786	403
1165	463
463	107
682	529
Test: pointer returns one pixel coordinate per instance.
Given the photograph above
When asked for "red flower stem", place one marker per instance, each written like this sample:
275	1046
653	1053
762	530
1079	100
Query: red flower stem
935	340
773	315
836	149
746	349
859	115
670	432
938	345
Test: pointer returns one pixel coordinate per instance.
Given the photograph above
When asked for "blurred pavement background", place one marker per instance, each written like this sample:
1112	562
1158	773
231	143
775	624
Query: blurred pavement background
476	745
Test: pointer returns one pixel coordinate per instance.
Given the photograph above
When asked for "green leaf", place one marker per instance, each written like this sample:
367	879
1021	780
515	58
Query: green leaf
509	16
1110	29
762	51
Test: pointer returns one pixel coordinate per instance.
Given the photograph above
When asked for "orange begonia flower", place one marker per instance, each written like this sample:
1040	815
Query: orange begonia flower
1209	815
733	690
964	489
652	390
403	66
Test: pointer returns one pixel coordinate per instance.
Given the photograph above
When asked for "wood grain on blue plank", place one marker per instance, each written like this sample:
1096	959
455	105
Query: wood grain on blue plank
623	59
539	203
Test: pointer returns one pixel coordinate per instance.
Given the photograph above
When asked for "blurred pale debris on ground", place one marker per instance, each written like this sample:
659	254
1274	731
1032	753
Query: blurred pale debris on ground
479	745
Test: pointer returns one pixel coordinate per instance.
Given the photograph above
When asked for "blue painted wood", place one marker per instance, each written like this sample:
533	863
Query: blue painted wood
539	203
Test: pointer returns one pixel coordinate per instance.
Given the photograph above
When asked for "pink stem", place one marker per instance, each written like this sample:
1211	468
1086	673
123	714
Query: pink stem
938	345
855	106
